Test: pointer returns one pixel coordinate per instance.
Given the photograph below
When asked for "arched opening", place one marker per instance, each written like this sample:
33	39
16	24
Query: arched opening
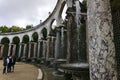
25	39
52	28
6	42
53	24
44	33
35	36
16	41
64	12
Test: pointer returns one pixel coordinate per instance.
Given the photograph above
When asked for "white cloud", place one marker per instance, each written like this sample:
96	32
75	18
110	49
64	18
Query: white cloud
23	12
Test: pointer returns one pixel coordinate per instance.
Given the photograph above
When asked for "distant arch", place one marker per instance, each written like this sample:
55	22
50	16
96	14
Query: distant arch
44	33
25	39
5	40
35	36
16	40
53	27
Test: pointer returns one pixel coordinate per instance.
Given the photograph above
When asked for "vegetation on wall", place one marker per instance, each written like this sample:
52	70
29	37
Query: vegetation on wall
14	28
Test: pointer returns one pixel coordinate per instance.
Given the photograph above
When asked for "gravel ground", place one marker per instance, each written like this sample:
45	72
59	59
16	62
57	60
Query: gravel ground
22	72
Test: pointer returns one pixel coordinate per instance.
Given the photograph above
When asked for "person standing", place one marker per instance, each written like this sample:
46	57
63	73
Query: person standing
10	63
13	63
5	64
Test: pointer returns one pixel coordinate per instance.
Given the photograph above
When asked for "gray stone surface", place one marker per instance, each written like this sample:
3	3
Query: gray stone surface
100	37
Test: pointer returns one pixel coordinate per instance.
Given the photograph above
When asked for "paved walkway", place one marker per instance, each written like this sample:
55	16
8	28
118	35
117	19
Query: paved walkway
22	72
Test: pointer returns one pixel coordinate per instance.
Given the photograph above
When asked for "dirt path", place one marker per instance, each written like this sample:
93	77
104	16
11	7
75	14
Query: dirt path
22	72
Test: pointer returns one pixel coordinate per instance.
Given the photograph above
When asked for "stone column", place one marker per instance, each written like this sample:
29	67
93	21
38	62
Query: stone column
48	48
38	50
62	55
62	42
101	45
44	50
14	50
24	51
34	53
57	43
1	50
19	52
78	22
53	49
9	49
29	51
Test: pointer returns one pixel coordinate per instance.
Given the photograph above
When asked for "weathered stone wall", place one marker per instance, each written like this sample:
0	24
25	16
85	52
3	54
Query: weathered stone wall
101	45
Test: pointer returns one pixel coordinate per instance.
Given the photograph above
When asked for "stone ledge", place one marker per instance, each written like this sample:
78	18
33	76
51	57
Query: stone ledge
40	74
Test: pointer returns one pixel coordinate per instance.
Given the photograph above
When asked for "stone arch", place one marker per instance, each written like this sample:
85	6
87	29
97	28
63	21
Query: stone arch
16	40
62	9
35	36
53	27
53	24
64	12
44	33
59	18
5	40
25	39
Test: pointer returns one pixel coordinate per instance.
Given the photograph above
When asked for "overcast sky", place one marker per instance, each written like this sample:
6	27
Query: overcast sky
23	12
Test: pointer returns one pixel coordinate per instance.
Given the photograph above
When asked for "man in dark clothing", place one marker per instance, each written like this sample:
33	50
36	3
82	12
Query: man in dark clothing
5	64
13	63
10	63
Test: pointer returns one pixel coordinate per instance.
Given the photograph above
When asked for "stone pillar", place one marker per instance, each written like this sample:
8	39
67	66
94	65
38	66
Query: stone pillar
53	48
44	49
34	53
57	44
38	50
62	55
1	50
48	48
14	50
72	37
29	51
78	22
24	51
19	52
9	49
101	45
62	42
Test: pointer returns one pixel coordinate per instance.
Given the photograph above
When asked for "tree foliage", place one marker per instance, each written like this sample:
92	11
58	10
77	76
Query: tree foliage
115	4
4	29
15	29
29	26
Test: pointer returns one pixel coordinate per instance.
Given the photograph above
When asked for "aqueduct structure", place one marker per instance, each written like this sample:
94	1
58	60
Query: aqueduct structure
92	53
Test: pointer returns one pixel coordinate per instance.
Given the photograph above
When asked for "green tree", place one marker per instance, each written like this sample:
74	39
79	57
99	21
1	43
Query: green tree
15	29
4	29
29	26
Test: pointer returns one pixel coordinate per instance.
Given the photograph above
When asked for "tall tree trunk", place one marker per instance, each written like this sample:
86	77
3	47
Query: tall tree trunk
101	45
